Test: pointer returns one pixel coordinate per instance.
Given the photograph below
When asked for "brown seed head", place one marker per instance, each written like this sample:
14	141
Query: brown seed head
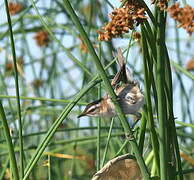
42	38
37	83
9	66
122	20
190	65
83	46
184	16
14	8
162	4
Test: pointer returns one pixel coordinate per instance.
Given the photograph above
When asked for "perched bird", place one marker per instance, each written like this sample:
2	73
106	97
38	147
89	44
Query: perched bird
128	94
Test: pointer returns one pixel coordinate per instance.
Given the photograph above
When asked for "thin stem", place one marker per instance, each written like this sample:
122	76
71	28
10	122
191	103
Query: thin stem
142	131
9	143
17	89
41	99
172	133
98	135
107	142
181	69
3	170
49	167
121	148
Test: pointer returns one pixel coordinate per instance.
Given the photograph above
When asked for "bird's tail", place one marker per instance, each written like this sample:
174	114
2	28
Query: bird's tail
123	74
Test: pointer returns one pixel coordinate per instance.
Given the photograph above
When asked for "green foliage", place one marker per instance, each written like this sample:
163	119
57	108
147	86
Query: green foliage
41	100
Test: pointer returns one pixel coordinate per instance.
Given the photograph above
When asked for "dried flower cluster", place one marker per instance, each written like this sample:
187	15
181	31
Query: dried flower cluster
185	16
162	4
190	65
37	83
14	8
123	19
42	38
9	66
83	46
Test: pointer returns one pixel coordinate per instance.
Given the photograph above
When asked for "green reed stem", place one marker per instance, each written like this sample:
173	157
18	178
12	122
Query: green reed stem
147	75
121	148
162	111
142	130
172	132
41	99
3	169
181	69
107	143
17	89
98	135
9	143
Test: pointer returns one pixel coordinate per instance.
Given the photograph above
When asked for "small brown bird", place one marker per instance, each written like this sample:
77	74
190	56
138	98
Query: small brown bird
130	97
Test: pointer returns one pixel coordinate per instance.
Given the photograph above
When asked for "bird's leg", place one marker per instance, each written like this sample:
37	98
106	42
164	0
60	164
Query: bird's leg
137	118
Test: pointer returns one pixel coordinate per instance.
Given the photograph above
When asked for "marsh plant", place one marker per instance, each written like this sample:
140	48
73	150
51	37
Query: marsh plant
56	57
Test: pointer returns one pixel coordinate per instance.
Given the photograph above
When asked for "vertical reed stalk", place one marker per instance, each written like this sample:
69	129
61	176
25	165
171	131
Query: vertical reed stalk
162	106
98	136
17	90
9	143
148	83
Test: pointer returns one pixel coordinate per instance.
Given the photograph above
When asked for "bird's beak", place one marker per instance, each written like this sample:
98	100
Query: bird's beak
81	115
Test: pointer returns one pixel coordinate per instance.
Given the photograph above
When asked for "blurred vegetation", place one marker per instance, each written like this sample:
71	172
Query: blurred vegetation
57	76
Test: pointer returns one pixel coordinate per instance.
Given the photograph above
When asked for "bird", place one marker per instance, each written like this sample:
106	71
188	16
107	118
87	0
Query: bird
127	90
